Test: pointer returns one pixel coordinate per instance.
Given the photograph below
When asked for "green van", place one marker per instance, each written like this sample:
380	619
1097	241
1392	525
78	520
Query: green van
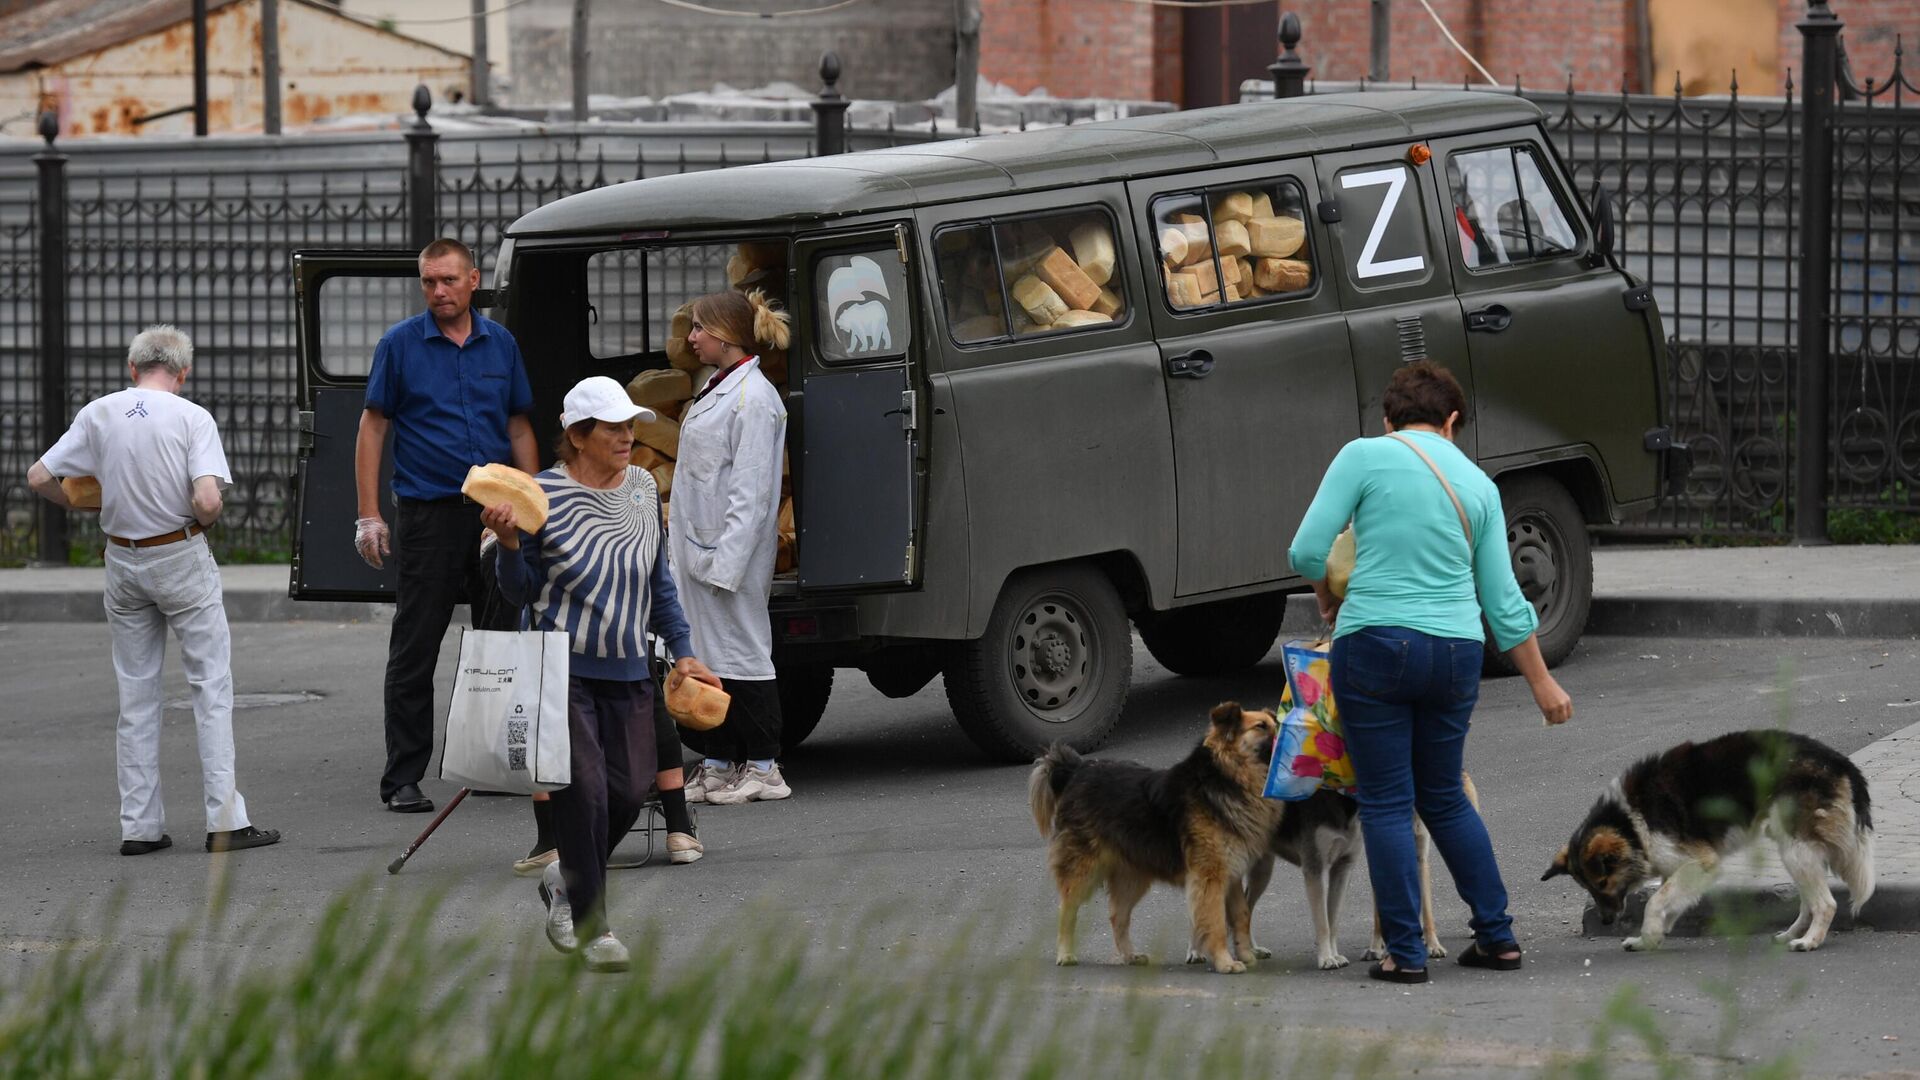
1048	388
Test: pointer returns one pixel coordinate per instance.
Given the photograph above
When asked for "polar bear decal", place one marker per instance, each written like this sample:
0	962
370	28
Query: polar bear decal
863	321
865	326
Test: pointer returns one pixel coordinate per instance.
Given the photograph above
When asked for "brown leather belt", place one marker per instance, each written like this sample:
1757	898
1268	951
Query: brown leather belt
173	537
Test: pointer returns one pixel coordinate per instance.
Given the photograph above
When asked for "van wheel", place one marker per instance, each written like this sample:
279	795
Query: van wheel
804	689
1217	638
1053	665
1553	560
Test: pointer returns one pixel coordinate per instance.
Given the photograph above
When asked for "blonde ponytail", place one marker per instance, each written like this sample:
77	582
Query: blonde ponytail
769	323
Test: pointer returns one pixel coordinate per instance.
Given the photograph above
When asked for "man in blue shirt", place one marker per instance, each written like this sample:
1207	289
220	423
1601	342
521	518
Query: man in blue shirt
451	387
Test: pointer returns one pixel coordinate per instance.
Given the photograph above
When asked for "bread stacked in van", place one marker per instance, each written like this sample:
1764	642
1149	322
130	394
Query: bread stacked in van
1256	248
1059	273
667	391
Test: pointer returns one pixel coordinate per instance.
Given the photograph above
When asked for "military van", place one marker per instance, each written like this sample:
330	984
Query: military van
1049	388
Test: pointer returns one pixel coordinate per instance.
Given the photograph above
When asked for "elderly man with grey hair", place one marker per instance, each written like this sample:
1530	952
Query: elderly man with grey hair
161	470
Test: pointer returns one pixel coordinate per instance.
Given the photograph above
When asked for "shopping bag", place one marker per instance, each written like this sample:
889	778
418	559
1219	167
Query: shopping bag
1310	752
507	721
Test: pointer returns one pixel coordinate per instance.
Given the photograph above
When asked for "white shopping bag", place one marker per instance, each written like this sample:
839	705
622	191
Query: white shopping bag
507	723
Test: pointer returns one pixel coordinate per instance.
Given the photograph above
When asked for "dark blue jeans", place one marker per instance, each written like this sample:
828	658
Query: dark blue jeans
1405	700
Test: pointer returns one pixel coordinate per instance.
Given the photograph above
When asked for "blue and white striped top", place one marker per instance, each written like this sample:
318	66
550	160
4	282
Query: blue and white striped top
598	571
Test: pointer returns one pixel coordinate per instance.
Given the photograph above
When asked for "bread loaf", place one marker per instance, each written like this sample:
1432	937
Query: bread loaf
1109	303
646	457
663	478
491	485
659	387
661	434
980	328
1183	290
679	353
1027	246
1262	204
1067	280
1093	250
1080	318
1236	207
82	491
1231	238
1199	243
694	704
1276	238
1173	245
1038	300
1282	275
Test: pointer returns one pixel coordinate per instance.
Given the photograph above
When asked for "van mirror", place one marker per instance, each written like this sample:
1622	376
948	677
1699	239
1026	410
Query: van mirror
1601	202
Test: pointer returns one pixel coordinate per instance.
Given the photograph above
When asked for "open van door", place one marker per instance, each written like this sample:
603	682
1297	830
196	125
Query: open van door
346	300
860	413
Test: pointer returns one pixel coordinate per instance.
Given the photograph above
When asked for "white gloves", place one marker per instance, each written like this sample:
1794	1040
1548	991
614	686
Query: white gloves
370	539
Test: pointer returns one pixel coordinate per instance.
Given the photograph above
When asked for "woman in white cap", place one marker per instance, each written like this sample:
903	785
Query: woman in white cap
598	572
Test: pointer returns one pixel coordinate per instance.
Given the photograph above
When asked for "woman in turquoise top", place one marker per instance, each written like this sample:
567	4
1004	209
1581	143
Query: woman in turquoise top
1407	651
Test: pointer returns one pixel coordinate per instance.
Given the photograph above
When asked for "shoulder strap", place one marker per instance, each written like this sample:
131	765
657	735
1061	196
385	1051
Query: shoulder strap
1442	477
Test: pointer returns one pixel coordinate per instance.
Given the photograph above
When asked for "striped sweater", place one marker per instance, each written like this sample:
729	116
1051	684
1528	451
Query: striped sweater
598	571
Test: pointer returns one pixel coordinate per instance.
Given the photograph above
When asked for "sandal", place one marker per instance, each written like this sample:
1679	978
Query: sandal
1396	975
1476	957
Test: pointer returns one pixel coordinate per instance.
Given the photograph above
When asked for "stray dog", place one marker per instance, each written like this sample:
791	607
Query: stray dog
1199	825
1321	835
1679	814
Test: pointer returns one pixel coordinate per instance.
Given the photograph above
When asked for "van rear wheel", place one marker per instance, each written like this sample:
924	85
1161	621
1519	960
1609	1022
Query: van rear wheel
1219	638
1053	665
1553	561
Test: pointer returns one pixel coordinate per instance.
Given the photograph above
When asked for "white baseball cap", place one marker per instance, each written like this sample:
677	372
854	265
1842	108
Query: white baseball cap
600	398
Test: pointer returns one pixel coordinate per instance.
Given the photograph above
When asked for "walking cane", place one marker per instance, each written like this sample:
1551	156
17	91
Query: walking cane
394	866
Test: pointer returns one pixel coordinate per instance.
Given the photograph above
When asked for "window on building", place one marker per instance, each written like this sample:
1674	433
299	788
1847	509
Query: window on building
1233	245
1044	274
1505	210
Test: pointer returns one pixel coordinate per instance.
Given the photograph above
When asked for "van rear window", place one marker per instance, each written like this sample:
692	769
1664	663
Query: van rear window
1233	245
1021	277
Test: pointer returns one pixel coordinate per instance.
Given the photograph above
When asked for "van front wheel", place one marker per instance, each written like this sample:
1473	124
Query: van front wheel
1553	561
1054	665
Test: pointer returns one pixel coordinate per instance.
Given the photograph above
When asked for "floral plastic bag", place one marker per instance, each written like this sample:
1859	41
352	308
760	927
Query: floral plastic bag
1311	752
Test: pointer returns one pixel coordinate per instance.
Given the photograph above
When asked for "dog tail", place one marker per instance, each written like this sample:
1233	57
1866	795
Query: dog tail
1857	870
1051	771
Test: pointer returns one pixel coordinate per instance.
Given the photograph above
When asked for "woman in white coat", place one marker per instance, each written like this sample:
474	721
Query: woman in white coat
723	538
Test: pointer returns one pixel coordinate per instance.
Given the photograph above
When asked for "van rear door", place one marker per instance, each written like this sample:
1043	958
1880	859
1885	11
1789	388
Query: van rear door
345	300
859	412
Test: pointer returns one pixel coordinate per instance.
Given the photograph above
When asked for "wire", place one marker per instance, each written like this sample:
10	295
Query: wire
1448	34
377	22
705	10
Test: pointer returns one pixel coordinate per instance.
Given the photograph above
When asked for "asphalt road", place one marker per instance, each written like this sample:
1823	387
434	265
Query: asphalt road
898	826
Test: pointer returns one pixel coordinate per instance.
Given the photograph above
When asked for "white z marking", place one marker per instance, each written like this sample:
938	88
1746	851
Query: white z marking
1396	181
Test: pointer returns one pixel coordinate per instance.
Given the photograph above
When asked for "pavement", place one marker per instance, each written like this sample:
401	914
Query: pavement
1858	592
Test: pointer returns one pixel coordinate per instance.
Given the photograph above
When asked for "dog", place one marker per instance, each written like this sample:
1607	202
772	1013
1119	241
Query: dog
1677	815
1199	825
1321	835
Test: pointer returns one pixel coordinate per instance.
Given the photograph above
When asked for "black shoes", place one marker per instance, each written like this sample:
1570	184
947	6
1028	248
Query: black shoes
239	839
406	799
145	847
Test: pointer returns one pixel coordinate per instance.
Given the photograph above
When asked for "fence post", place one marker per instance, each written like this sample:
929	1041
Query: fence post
829	110
52	208
270	66
1819	33
423	173
1289	71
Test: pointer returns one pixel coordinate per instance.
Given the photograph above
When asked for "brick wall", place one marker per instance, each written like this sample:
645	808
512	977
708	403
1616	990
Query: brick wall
1871	29
1537	40
1081	48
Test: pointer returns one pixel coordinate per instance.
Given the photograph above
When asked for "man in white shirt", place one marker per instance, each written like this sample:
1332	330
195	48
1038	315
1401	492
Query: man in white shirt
161	470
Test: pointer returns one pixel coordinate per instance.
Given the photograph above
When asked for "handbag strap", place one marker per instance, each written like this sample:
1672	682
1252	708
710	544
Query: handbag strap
1442	477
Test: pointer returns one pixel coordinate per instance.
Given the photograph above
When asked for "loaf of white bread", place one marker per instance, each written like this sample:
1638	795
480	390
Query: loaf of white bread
82	491
491	485
694	704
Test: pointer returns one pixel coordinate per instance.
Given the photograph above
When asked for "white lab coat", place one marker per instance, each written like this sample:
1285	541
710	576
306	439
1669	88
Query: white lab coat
722	531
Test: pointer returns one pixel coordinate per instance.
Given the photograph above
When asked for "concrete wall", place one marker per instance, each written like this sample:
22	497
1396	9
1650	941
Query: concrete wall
329	66
889	49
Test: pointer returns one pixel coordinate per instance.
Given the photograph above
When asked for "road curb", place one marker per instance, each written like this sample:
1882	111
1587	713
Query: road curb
1722	617
1765	909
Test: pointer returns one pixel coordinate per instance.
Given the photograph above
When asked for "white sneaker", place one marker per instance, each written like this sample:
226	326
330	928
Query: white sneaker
683	848
752	785
553	890
702	781
605	953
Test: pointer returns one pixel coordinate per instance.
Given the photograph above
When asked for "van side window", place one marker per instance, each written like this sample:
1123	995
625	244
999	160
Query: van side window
1233	245
1034	275
861	302
1505	209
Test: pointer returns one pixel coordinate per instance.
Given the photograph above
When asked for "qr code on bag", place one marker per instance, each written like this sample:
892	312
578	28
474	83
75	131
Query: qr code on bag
517	758
516	733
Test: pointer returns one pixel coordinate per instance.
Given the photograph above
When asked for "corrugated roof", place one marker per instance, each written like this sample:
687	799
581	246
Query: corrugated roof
990	165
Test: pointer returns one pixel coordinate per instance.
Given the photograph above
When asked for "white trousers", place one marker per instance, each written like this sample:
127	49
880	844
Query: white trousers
148	591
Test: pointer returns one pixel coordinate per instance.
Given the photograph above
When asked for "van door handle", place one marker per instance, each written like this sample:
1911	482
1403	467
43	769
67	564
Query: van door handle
1489	320
1197	364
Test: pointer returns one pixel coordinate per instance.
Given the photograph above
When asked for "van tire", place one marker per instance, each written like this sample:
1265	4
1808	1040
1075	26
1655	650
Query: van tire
1553	560
1217	638
804	690
995	689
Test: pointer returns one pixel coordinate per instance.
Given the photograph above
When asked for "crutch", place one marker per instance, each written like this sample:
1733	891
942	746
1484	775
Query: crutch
394	866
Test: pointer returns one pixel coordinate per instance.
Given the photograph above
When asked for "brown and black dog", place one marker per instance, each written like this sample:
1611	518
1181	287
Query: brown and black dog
1200	825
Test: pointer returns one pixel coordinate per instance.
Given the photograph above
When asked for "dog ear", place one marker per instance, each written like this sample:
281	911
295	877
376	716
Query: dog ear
1559	866
1226	715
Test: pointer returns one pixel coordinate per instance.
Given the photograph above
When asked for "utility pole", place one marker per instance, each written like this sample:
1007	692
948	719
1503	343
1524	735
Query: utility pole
199	67
480	93
270	64
1380	35
580	54
966	63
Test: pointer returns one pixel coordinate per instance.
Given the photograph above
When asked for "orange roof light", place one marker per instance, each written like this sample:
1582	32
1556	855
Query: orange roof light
1419	154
